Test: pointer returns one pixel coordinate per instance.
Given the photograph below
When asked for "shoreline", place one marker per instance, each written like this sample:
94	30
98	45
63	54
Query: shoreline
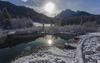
32	52
85	51
42	48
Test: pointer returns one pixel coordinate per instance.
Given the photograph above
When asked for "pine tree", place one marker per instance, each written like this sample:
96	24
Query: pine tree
2	20
7	18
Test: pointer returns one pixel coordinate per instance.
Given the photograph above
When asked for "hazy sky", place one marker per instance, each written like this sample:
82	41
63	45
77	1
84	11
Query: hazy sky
91	6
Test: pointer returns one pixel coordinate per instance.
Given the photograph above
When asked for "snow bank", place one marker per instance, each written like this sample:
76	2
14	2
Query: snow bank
88	47
85	53
52	55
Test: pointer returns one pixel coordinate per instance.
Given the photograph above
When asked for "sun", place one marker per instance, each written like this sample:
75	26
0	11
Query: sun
49	7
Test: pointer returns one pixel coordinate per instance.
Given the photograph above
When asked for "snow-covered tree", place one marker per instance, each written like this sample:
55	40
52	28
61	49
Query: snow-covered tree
1	19
98	29
7	19
21	23
1	32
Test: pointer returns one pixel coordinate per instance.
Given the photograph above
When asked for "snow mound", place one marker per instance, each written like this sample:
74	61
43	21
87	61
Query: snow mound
52	55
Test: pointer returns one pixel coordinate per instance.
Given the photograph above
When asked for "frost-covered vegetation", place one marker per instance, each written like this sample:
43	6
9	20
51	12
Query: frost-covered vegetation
1	33
52	55
87	51
6	22
86	27
25	25
21	23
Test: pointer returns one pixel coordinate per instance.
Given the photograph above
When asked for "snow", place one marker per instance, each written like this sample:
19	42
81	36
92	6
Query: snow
41	24
11	33
85	52
52	55
66	13
89	43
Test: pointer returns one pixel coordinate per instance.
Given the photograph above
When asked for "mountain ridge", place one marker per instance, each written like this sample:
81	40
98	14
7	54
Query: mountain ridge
69	13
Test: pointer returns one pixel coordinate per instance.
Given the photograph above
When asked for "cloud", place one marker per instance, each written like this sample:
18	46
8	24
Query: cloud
24	0
60	5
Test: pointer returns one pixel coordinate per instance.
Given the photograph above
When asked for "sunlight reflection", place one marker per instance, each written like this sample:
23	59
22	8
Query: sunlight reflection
50	42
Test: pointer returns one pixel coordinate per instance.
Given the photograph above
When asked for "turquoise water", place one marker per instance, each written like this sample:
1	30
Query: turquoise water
22	48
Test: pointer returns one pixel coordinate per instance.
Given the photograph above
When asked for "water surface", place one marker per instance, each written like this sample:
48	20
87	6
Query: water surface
14	47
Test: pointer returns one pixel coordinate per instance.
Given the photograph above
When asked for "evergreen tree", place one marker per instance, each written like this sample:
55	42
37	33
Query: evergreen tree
2	20
7	18
62	22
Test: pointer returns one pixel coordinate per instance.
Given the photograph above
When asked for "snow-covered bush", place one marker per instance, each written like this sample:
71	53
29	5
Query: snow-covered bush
98	29
47	29
55	29
28	30
1	32
72	28
90	26
90	29
21	23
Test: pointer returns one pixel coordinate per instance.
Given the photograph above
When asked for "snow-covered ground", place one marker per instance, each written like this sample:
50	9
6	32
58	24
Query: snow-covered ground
52	55
85	53
2	33
41	24
89	48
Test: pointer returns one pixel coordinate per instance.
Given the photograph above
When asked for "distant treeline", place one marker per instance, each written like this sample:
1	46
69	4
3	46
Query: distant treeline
6	22
80	20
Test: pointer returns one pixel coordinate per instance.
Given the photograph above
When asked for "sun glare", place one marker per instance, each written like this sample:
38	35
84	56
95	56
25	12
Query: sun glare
49	7
50	42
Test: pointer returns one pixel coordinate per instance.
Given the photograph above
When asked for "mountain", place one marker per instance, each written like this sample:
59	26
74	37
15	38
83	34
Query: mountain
22	11
64	14
69	13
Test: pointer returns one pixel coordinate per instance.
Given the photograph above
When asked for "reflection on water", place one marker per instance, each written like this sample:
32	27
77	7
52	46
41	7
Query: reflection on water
27	48
15	46
11	41
49	42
